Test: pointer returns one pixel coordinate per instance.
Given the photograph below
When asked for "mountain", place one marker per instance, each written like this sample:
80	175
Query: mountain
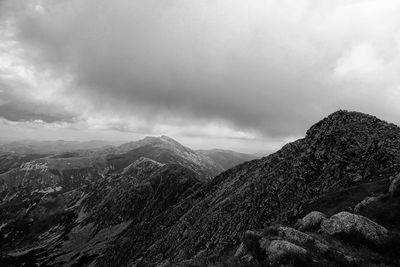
41	192
164	150
51	147
208	163
345	151
75	226
329	199
227	158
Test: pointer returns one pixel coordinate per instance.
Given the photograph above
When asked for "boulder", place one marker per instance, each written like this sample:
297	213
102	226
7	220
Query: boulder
354	226
280	250
311	221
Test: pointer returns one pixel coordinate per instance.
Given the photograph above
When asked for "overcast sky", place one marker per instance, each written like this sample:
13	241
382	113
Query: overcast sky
245	75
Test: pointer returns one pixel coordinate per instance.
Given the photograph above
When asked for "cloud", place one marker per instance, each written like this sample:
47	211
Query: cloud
265	69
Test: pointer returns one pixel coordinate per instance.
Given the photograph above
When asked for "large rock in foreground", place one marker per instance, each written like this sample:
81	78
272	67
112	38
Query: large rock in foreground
347	224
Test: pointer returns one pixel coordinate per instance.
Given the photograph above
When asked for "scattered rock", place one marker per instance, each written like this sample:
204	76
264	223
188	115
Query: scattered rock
355	226
311	221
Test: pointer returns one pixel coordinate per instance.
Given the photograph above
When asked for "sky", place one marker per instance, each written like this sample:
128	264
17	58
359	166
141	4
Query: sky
235	74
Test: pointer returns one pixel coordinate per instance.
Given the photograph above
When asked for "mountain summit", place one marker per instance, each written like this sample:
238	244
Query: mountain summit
161	141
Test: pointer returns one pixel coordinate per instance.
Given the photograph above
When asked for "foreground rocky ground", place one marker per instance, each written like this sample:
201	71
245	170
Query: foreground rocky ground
343	239
341	181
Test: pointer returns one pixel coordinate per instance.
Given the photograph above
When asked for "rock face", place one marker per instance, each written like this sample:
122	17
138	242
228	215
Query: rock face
356	226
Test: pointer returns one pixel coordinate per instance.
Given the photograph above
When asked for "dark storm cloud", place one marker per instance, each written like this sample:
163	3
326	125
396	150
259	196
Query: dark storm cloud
19	107
265	65
25	111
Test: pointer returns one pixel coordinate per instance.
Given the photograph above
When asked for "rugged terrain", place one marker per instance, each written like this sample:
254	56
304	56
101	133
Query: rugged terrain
150	207
45	197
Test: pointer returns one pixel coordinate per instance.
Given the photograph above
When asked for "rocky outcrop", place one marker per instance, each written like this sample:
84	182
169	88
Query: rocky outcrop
279	245
282	245
354	226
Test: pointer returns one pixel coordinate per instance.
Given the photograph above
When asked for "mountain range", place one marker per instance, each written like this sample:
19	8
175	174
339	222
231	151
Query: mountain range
52	147
331	198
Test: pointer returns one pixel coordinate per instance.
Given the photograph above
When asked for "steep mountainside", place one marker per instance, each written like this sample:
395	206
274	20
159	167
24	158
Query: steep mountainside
227	158
75	227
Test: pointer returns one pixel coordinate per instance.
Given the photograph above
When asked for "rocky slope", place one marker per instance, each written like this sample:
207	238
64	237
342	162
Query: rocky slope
343	239
76	226
42	197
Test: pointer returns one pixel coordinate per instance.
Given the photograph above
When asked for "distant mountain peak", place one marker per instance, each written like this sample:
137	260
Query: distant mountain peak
157	141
